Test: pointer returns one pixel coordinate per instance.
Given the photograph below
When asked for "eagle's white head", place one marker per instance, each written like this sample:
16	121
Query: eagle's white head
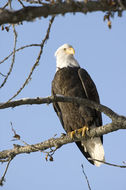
65	57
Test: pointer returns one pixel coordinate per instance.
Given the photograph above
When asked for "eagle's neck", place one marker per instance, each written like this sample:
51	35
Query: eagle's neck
66	61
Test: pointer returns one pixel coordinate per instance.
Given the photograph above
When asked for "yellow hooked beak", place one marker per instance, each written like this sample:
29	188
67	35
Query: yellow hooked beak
70	51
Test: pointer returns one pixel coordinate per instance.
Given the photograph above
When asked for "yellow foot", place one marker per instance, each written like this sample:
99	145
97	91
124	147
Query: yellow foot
83	130
71	134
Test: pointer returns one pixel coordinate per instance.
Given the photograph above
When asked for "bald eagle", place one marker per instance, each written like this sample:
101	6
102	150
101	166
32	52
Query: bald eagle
71	80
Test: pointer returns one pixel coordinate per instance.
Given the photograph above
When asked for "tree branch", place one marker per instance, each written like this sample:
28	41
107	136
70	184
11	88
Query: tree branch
58	142
59	98
3	177
31	12
89	187
37	60
13	58
118	122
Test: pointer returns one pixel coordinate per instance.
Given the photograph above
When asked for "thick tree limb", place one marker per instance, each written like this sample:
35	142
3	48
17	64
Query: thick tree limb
118	122
59	98
31	12
58	142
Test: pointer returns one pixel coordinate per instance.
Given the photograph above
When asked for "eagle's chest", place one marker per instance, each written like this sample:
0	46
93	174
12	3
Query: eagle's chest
68	83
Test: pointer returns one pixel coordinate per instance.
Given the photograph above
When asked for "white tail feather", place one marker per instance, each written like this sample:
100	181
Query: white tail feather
95	149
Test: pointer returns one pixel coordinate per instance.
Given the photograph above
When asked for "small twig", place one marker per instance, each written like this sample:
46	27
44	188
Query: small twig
24	142
51	153
17	136
107	163
3	177
37	60
35	2
13	58
21	48
4	160
86	177
21	3
2	74
5	5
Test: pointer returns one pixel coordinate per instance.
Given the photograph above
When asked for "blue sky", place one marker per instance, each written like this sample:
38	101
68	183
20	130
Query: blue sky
101	52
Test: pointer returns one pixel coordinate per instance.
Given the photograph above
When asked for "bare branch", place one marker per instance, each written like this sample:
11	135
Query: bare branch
107	163
5	5
118	122
3	177
17	136
2	74
89	187
59	98
13	58
31	12
35	2
37	60
21	48
56	142
21	3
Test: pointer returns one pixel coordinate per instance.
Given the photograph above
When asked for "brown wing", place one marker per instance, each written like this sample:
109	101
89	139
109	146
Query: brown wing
91	91
57	110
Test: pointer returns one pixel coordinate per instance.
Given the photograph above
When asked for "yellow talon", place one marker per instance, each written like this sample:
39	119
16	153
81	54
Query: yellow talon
71	134
83	130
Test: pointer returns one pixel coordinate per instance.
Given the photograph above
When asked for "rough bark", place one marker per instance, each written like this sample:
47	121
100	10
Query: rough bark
58	142
31	12
59	98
